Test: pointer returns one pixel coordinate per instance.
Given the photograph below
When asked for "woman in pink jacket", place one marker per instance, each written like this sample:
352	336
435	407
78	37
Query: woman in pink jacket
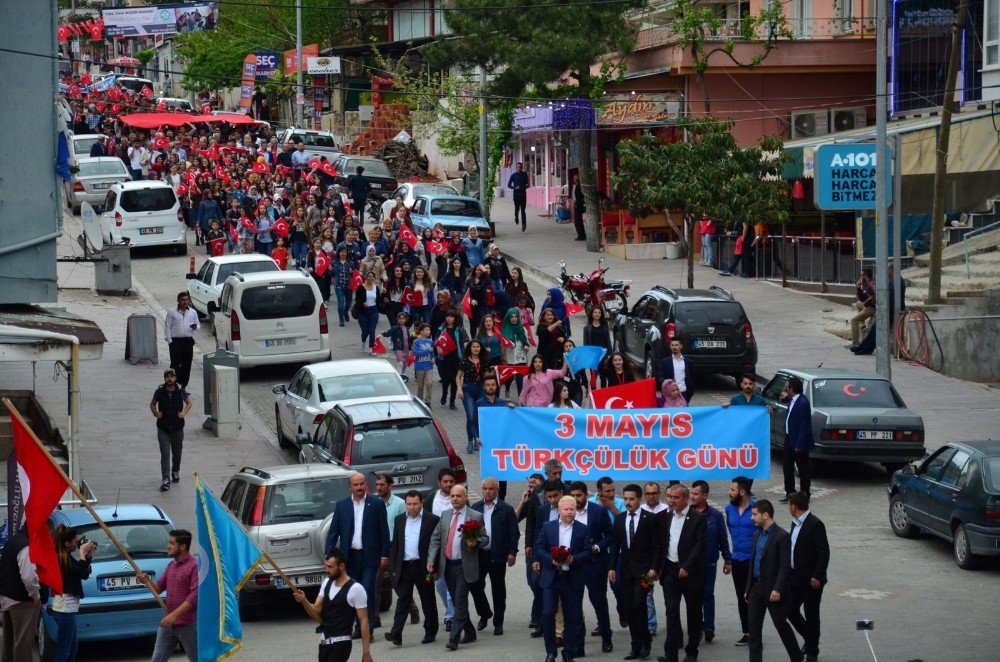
537	390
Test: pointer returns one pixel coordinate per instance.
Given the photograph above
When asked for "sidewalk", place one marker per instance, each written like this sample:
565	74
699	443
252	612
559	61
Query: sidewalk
789	325
117	432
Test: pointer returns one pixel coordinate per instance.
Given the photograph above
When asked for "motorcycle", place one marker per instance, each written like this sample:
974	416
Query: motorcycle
593	290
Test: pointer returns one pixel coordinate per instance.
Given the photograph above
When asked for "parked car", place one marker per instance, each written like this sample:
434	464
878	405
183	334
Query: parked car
205	287
271	318
286	510
133	83
955	495
115	604
144	213
79	146
409	192
92	179
318	143
396	438
315	388
857	416
712	324
377	173
174	104
455	213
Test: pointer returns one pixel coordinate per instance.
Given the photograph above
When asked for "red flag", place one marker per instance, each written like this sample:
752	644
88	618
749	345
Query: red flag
96	32
182	190
99	106
220	172
116	109
42	486
467	304
637	395
497	326
63	33
218	246
280	228
574	308
410	358
406	234
531	336
490	298
356	279
313	164
412	298
378	347
147	91
161	143
248	223
206	109
504	342
161	107
234	233
261	168
322	263
445	343
506	372
434	247
283	170
327	168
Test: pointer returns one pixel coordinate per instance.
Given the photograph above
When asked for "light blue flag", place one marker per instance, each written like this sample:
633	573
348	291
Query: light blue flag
587	357
226	559
106	84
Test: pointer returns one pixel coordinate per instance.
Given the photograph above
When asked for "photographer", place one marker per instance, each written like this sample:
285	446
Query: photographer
74	570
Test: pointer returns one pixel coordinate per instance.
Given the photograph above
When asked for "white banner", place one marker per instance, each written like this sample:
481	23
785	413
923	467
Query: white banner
323	65
160	19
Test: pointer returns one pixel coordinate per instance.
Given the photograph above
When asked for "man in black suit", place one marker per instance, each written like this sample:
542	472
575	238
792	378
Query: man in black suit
527	509
411	539
798	438
639	547
602	531
494	559
684	530
677	367
810	556
769	583
552	491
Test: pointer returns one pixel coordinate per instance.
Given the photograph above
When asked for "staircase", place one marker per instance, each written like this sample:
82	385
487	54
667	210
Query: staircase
958	282
386	122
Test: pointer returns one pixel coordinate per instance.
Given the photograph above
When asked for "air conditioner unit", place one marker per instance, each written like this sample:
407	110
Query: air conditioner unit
809	123
845	119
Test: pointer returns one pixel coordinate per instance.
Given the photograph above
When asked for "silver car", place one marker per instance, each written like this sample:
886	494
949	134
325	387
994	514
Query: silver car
857	416
93	177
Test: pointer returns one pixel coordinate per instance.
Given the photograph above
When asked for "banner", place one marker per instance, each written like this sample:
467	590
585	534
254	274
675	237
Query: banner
160	19
638	109
322	65
291	62
249	78
708	443
267	65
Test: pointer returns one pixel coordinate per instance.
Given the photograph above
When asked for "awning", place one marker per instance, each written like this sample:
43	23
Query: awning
230	118
32	347
156	120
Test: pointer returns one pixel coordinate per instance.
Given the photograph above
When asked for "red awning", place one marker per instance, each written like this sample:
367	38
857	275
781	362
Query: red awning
229	118
156	120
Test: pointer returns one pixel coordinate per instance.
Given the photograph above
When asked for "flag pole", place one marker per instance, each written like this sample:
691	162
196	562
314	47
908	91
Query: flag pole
83	500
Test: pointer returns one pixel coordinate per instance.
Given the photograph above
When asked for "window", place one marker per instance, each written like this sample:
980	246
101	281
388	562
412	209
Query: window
387	442
456	207
348	387
373	168
855	393
991	474
703	313
294	385
802	18
932	469
411	20
270	302
251	267
140	539
775	387
845	16
82	146
205	271
956	473
991	42
113	168
305	386
233	495
304	501
151	199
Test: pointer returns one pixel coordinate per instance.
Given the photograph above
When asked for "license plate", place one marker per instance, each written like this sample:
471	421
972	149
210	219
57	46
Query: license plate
412	479
875	435
150	230
120	583
279	342
100	186
302	580
711	344
374	185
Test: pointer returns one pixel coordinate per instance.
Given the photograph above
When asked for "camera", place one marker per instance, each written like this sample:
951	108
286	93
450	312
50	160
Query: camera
83	541
866	624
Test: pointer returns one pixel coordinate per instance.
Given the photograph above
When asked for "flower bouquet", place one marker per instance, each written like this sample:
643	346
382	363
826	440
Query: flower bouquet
471	530
646	583
560	554
429	578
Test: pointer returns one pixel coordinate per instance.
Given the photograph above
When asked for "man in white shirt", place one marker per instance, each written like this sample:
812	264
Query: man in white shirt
407	565
436	505
683	574
652	504
178	329
393	506
678	368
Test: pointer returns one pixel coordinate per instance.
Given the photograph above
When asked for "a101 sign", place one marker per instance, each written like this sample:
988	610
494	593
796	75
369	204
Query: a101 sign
845	177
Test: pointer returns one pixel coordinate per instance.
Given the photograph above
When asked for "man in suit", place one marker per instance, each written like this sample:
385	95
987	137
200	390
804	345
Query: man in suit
437	504
563	583
684	530
602	531
769	583
638	547
527	509
552	491
678	368
411	541
716	543
496	556
457	560
810	556
361	531
798	438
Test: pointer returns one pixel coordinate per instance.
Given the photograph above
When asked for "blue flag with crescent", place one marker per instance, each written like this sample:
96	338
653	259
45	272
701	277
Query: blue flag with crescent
226	559
587	357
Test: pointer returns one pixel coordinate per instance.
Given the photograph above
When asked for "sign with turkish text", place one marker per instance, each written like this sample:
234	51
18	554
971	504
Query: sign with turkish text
160	19
845	176
323	65
249	77
631	445
267	65
291	61
638	109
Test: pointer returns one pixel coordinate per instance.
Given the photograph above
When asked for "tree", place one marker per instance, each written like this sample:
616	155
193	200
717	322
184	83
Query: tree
707	173
539	46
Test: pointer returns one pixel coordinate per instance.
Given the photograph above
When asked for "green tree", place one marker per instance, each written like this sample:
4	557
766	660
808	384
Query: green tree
707	173
545	46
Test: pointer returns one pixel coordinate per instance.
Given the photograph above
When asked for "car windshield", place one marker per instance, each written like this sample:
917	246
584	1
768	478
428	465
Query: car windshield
452	207
305	501
404	440
855	393
372	168
83	145
269	302
140	539
703	313
254	267
314	140
348	387
150	199
991	474
114	168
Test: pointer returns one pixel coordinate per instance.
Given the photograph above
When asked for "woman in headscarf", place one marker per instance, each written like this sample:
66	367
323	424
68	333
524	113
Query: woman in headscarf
512	329
372	262
670	395
557	304
444	304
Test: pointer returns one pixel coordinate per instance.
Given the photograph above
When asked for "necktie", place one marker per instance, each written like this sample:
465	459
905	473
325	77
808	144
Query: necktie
451	536
631	529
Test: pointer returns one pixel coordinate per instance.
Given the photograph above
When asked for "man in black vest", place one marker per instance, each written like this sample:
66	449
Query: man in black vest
170	405
341	600
20	599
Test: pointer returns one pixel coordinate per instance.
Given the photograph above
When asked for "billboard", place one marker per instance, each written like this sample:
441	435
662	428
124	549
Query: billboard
323	65
291	63
160	19
638	109
267	65
845	176
249	76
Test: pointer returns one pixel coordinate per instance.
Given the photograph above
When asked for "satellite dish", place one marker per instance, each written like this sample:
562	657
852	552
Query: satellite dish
92	228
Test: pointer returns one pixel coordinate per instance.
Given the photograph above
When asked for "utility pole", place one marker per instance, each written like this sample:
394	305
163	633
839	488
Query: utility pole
484	150
300	92
882	348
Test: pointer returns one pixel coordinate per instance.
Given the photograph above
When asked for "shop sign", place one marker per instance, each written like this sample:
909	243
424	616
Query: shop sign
631	109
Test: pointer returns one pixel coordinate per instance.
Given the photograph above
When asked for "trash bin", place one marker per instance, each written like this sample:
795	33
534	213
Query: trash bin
674	250
113	270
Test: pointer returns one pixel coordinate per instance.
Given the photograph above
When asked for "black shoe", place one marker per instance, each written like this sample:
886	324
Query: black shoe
447	624
581	239
535	634
580	653
567	658
396	639
524	227
632	655
405	378
596	632
467	638
744	640
551	657
444	401
783	499
517	221
175	476
644	654
428	640
607	646
709	636
483	622
497	630
451	405
165	486
534	625
452	645
559	642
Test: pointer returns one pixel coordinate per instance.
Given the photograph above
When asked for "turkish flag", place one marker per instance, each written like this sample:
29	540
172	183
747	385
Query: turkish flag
248	223
261	168
574	308
378	347
147	91
283	170
161	143
407	235
42	486
506	372
74	91
412	298
281	228
85	79
497	326
96	32
504	342
99	106
161	107
218	246
206	109
637	395
234	234
467	304
63	33
322	263
356	279
116	109
328	169
410	358
445	343
434	247
182	190
191	177
531	336
313	164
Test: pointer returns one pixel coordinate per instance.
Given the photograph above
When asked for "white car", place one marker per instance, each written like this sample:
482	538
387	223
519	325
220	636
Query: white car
300	406
93	178
410	191
205	287
144	213
80	144
175	104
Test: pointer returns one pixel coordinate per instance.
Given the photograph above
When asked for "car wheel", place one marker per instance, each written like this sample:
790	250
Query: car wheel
181	249
647	365
899	520
964	557
893	467
282	441
46	644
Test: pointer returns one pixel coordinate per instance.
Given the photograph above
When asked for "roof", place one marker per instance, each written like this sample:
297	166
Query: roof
988	447
230	259
833	373
57	320
126	511
295	471
714	293
447	196
276	276
383	410
349	367
143	183
98	159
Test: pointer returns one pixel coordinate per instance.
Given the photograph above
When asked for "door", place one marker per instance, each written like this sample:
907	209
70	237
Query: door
328	441
199	288
943	495
221	322
108	228
150	215
301	398
279	318
918	497
631	344
772	393
288	404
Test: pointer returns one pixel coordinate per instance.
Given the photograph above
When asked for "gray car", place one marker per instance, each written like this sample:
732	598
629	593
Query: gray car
400	439
93	177
857	416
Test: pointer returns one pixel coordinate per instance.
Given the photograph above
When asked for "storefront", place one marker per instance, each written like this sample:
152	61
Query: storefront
544	154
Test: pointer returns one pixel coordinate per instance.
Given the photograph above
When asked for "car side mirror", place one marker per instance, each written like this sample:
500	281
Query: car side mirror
909	469
758	390
190	276
278	390
302	438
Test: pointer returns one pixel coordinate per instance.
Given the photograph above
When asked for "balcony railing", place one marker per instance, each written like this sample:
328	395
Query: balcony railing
657	30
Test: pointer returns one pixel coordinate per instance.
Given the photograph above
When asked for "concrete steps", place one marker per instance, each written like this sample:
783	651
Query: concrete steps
955	253
956	284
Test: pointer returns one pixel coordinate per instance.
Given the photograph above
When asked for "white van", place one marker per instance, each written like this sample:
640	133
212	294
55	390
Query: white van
269	318
144	213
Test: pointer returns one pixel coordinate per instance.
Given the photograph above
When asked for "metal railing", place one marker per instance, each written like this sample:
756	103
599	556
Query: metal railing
804	255
965	243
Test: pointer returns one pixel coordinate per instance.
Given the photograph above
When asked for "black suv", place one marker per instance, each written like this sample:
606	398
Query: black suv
713	326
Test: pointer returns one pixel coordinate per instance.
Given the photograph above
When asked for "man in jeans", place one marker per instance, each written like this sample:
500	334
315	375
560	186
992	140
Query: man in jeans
170	405
706	228
865	304
180	581
716	543
739	521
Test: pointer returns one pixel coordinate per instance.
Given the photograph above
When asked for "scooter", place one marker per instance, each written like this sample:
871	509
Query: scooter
593	290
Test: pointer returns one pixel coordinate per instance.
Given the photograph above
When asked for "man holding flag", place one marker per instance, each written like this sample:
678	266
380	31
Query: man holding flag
180	581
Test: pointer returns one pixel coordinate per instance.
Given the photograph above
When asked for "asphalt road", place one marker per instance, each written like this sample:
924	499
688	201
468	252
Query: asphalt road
924	607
